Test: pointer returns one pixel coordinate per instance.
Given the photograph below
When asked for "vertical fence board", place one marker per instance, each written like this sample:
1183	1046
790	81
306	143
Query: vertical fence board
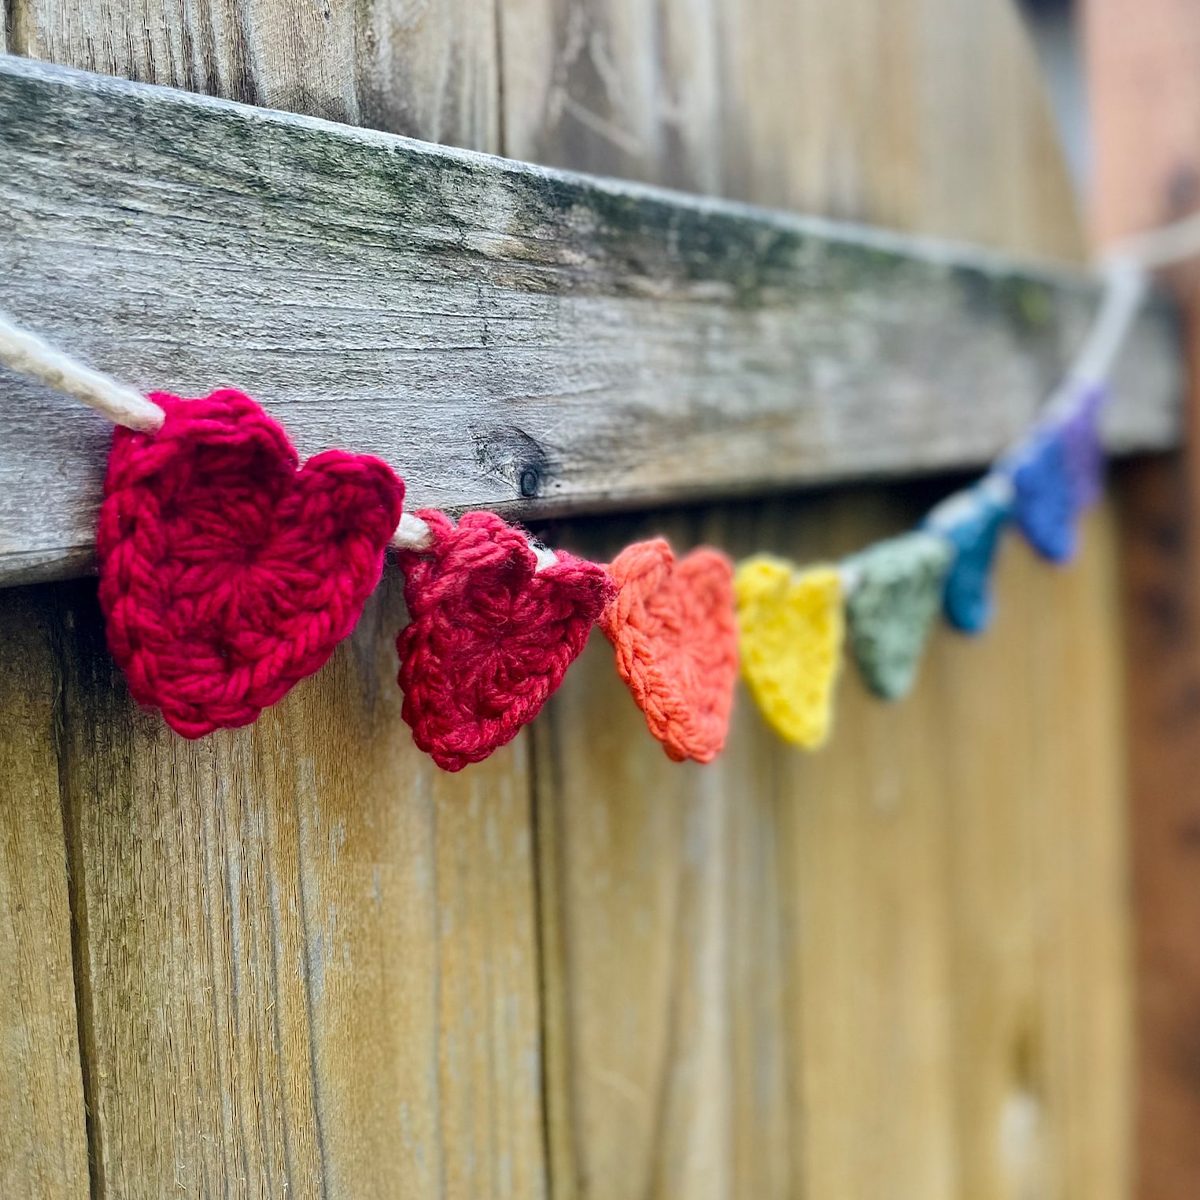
665	1024
43	1142
863	851
1081	887
922	115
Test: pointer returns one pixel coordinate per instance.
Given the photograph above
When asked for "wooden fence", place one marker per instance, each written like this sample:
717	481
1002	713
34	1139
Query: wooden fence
299	960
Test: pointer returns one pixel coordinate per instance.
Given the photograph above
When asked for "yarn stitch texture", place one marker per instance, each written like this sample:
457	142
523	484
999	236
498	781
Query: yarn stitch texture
967	595
490	636
892	607
1045	503
673	629
227	572
791	628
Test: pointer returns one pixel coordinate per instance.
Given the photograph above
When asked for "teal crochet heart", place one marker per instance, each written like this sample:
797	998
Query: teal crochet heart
896	592
972	522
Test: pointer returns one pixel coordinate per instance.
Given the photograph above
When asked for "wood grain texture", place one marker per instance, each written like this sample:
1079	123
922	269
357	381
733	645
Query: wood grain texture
505	336
43	1142
1143	63
309	956
423	69
922	115
1162	607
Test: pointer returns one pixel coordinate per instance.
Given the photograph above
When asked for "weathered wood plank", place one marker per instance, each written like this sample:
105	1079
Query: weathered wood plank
43	1140
504	334
310	957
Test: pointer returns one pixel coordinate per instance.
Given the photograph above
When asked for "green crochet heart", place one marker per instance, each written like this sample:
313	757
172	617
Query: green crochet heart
896	594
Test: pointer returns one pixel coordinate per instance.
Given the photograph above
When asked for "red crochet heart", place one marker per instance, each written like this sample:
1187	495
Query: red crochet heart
673	627
227	574
490	637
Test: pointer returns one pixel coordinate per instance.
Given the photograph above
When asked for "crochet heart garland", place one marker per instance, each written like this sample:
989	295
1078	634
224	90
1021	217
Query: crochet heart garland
791	626
673	629
228	572
490	635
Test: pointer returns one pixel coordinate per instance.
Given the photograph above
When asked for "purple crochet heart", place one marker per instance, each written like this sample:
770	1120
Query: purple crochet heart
1083	448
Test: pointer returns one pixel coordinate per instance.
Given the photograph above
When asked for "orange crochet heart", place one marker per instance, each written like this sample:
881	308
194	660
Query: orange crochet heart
673	627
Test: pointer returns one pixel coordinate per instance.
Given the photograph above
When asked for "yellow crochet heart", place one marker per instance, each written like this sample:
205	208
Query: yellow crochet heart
790	634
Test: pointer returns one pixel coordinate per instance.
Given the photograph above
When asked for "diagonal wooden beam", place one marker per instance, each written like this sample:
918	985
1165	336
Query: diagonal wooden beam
505	335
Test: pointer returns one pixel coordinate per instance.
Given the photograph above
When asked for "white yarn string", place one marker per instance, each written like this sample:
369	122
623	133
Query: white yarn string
948	513
1126	283
1158	248
412	534
29	355
848	576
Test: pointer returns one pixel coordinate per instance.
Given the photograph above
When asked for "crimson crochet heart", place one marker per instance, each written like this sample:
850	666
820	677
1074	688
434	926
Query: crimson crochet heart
228	572
491	633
